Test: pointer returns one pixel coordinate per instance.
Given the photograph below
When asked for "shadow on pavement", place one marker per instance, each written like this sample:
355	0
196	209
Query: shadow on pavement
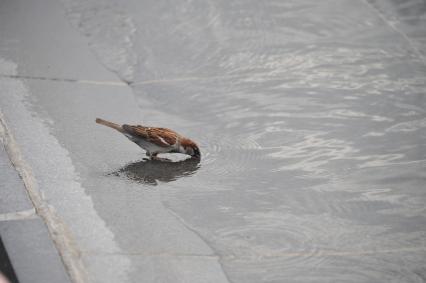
151	171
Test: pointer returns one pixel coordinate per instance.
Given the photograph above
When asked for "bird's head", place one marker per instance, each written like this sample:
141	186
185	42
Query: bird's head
189	147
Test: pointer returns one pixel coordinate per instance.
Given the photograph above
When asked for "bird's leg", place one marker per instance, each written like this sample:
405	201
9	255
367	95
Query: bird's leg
148	154
155	157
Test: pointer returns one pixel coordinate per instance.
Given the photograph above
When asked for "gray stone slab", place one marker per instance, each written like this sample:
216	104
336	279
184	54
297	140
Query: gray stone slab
105	214
38	37
164	268
395	265
13	195
32	252
76	178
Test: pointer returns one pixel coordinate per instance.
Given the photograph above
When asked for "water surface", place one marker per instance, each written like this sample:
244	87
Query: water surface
311	117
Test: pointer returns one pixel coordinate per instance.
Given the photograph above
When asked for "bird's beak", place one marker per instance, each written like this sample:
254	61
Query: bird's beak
196	153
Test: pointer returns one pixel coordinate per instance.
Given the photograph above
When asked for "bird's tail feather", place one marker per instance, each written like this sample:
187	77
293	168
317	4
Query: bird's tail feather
109	124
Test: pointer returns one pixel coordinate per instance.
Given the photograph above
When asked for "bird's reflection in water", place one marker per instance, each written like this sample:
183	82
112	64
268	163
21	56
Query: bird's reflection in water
153	171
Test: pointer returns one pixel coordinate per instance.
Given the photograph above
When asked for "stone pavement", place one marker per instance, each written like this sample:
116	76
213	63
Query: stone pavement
258	209
52	87
24	239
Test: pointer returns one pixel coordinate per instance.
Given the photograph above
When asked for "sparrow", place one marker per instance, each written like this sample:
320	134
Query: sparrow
155	140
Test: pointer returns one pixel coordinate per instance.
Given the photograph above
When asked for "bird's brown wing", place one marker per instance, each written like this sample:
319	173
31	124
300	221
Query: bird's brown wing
159	136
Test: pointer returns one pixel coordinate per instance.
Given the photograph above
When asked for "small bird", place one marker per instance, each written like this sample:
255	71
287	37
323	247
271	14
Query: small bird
155	140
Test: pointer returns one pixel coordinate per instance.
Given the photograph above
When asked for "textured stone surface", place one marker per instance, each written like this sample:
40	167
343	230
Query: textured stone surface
13	195
310	115
31	252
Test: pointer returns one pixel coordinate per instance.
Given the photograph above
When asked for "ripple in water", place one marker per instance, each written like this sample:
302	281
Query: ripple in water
311	125
226	156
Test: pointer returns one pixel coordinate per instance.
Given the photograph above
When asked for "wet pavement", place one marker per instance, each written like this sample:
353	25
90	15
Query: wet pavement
310	116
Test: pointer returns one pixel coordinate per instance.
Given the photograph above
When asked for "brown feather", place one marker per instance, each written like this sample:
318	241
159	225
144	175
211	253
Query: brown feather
109	124
159	136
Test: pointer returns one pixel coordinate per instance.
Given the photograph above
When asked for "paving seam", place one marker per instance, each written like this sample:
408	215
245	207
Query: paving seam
122	83
66	80
19	215
410	42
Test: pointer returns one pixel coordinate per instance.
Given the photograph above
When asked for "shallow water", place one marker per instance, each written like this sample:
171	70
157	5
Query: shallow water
311	118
